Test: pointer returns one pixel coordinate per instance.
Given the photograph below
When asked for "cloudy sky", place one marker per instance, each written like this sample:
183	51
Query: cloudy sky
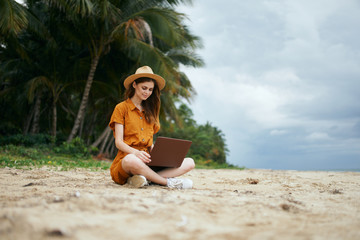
282	80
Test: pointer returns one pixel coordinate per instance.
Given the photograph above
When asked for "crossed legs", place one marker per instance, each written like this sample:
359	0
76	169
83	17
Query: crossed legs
134	166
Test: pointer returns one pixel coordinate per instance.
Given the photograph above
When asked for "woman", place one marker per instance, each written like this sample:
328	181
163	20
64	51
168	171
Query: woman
134	122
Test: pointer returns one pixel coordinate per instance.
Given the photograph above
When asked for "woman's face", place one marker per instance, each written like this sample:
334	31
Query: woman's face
143	90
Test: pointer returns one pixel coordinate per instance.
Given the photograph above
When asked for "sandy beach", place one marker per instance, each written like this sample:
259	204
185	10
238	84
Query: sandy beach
224	204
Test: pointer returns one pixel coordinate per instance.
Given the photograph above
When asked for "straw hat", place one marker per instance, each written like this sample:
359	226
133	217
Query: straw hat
145	71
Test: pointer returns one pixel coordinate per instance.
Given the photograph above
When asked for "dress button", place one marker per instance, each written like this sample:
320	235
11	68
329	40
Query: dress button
140	118
143	140
142	129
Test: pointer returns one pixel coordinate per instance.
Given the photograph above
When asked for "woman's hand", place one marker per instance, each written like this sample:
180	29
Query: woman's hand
143	156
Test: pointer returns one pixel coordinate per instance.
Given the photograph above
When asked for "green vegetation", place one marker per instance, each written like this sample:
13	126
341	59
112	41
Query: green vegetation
62	67
43	156
209	164
36	151
39	150
208	146
69	156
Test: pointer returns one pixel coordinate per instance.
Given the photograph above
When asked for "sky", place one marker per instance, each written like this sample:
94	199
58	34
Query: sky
281	80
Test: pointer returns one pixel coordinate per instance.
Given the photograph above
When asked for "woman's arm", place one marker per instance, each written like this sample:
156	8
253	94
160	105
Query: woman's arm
119	140
119	143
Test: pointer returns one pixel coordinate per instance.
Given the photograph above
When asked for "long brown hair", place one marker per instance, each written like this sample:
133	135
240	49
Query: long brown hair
151	105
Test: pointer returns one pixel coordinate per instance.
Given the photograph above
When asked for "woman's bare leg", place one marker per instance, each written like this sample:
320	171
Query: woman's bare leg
133	165
187	165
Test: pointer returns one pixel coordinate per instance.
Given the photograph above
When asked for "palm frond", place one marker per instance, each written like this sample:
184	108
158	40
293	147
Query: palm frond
73	7
165	24
13	17
177	84
186	57
34	84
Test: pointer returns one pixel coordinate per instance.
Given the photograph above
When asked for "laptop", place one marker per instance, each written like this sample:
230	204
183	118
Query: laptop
169	152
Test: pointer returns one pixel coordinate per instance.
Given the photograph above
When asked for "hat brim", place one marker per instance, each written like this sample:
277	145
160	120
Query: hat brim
159	80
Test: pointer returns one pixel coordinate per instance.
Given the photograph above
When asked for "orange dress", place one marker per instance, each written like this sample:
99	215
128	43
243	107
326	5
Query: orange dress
138	133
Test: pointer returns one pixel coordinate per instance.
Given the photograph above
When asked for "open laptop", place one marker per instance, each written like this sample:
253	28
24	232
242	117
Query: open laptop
169	152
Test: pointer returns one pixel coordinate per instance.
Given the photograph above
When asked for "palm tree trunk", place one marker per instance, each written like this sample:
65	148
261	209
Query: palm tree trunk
54	119
101	137
84	100
106	139
28	121
35	126
110	145
90	129
80	132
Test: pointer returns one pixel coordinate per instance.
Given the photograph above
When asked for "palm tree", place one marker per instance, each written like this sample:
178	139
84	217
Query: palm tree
132	24
169	52
44	65
138	33
15	18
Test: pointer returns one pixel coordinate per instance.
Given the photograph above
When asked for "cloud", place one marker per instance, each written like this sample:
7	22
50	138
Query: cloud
276	132
282	80
318	136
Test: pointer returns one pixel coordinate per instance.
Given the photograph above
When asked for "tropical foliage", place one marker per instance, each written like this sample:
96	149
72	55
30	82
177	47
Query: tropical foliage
62	64
208	142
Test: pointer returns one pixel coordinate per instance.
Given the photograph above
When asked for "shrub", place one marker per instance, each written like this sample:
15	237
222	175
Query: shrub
76	147
30	153
8	128
26	140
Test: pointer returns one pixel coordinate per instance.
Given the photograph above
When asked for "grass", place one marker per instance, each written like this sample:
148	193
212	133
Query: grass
43	156
60	158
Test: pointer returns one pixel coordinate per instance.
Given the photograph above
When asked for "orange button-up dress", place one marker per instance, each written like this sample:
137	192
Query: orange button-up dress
138	133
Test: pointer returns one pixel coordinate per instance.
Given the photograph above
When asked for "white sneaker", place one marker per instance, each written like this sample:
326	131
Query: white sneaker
137	181
179	183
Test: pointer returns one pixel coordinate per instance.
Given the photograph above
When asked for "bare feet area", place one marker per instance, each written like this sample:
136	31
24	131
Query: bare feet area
224	204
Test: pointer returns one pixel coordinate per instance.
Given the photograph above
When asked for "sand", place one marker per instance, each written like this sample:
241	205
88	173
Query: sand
224	204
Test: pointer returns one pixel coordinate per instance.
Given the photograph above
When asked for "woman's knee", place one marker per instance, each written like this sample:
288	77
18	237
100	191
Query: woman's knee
189	164
132	164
